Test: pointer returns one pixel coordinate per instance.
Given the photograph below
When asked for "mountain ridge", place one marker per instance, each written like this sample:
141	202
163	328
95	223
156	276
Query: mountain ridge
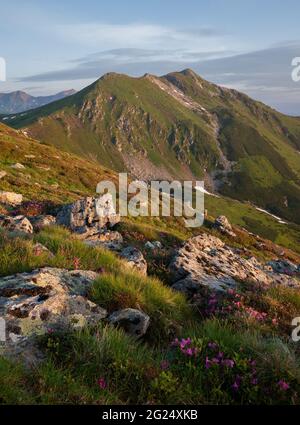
19	101
179	126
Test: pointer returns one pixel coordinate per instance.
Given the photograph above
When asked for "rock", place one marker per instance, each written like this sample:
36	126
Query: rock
10	198
135	259
24	349
39	249
18	166
283	267
223	225
153	245
205	261
108	239
32	303
41	221
134	322
89	216
16	224
2	174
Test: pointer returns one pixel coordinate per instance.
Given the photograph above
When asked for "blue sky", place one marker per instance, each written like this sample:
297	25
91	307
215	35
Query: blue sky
247	45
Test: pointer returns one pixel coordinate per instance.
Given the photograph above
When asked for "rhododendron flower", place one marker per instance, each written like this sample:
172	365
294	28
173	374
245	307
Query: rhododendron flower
207	363
212	345
175	343
228	362
283	385
102	383
237	383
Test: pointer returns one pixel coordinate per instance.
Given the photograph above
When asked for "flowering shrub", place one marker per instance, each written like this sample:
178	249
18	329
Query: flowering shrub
227	377
32	208
231	303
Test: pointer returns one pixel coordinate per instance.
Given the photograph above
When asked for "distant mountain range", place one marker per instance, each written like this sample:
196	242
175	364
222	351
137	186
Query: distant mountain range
178	126
20	101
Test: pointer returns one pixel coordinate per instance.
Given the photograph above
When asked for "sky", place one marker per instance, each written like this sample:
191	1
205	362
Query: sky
248	45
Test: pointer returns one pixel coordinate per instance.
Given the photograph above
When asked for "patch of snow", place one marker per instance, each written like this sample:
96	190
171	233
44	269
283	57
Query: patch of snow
272	215
201	189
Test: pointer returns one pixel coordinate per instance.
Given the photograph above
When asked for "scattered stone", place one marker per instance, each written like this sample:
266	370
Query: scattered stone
223	225
11	198
135	259
2	174
16	224
108	239
18	166
133	321
41	221
89	216
153	245
205	260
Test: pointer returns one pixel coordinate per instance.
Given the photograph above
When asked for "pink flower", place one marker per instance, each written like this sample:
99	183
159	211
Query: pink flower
235	386
283	385
102	383
207	363
185	342
175	343
76	263
228	363
212	345
237	383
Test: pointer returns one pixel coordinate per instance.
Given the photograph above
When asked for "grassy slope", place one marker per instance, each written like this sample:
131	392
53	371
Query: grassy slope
263	143
75	361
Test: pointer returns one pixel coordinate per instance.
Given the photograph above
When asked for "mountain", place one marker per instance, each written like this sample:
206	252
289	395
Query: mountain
19	101
179	126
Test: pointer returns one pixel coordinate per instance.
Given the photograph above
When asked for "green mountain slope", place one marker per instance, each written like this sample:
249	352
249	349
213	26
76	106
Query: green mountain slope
54	176
179	126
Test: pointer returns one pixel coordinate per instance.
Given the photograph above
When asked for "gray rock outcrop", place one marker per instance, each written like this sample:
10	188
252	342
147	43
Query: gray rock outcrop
89	216
16	224
205	260
135	259
133	321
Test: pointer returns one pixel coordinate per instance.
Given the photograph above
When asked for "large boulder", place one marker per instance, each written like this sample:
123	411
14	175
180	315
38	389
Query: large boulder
133	321
10	198
45	299
16	224
205	261
223	225
89	216
135	259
